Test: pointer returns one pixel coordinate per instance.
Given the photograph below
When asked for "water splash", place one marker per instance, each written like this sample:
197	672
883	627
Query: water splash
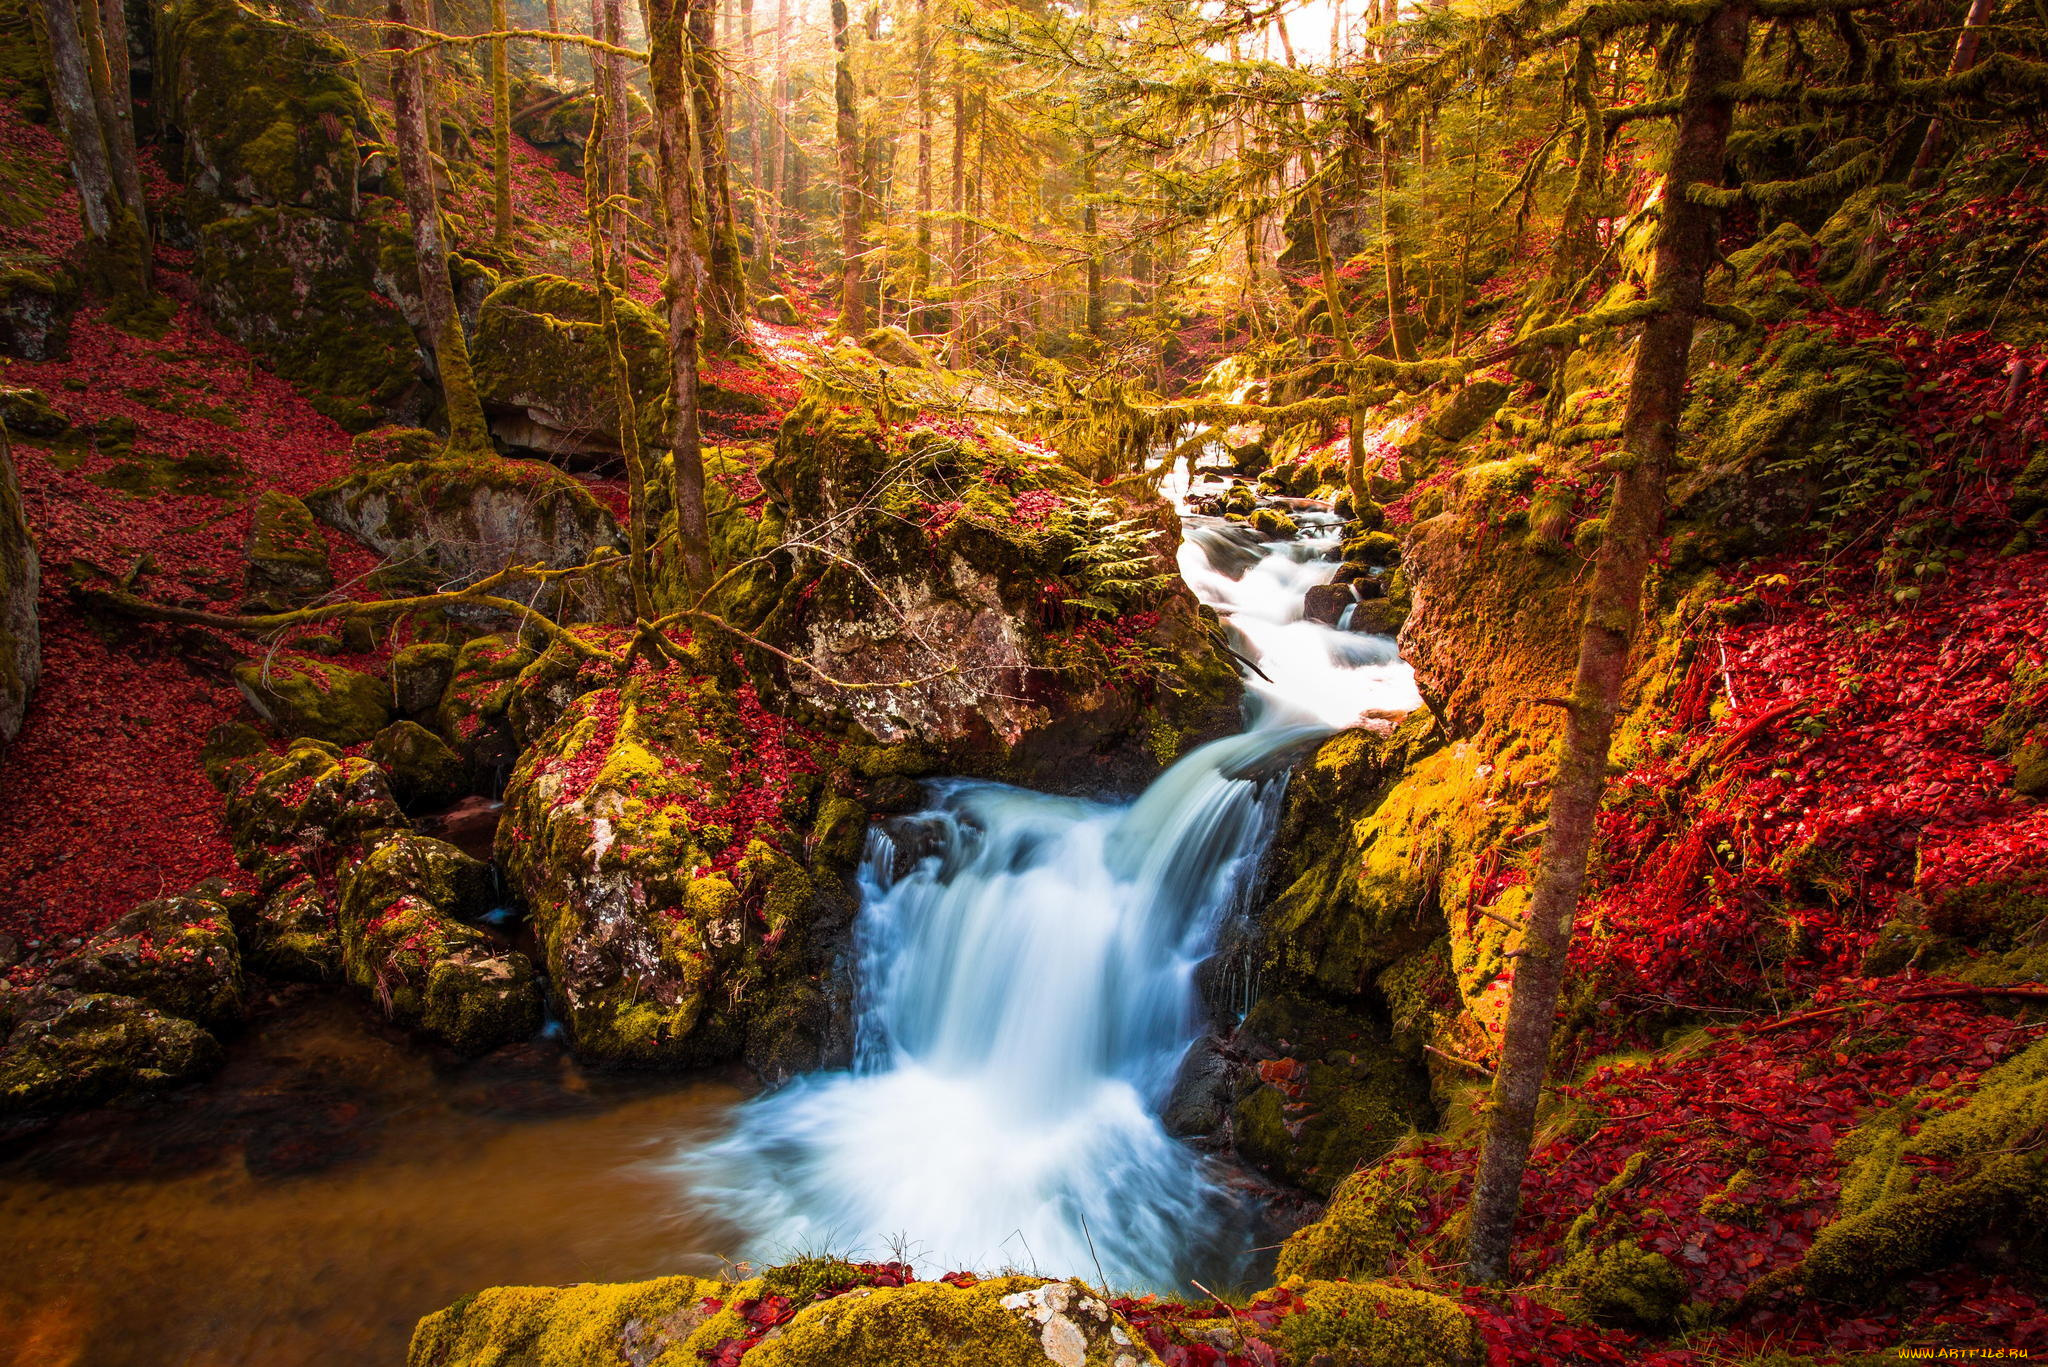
1027	967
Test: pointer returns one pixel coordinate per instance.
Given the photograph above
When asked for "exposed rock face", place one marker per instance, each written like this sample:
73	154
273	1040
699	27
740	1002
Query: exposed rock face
655	833
463	519
293	259
21	649
287	553
1009	615
36	304
423	769
542	365
66	1049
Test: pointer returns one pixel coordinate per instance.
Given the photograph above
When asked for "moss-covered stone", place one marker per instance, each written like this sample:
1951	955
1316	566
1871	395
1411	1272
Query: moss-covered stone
1364	1229
1375	1326
1626	1284
1007	1322
776	309
286	551
419	676
471	715
36	307
1274	525
424	771
401	942
71	1049
543	367
176	954
650	1323
313	698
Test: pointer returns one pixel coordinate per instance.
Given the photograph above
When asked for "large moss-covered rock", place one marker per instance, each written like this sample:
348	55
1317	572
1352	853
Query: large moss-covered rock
37	299
294	820
682	1321
424	771
460	519
471	715
21	650
1375	1326
419	676
287	554
314	698
67	1049
542	367
656	833
1007	613
177	954
403	943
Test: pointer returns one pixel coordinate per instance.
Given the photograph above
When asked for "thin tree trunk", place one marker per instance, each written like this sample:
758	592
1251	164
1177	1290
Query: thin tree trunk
725	292
555	47
607	20
768	190
621	380
1964	57
466	429
1684	252
853	317
921	269
1347	354
501	133
668	75
749	104
961	287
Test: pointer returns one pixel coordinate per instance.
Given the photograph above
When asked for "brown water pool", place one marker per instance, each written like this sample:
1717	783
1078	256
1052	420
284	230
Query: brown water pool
331	1186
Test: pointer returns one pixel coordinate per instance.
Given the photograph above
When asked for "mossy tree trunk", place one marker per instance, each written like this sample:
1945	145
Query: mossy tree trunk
725	286
1347	354
1684	252
117	250
1964	57
501	133
411	116
106	33
963	342
921	268
554	48
668	38
609	70
853	308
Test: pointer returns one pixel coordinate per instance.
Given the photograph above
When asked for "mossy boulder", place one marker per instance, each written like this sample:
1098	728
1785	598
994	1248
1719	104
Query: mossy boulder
424	771
893	346
68	1049
650	1323
459	519
313	698
471	715
776	309
286	552
1374	1326
176	954
29	413
1274	525
419	676
294	819
1365	1227
21	649
36	307
657	834
402	942
1626	1284
393	445
1006	1322
543	368
1021	622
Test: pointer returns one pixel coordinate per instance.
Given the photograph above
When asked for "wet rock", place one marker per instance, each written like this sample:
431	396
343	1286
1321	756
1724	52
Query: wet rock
655	834
403	943
176	954
1325	603
314	699
419	676
1200	1101
462	518
423	770
67	1049
286	552
21	649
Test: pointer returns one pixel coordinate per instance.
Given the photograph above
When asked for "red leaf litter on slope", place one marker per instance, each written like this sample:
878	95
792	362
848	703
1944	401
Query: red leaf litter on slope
102	799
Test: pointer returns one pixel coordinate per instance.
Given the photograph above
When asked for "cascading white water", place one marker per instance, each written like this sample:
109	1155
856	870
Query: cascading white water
1027	988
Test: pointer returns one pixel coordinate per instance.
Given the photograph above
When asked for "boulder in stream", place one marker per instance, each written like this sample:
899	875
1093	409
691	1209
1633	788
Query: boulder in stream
65	1049
177	954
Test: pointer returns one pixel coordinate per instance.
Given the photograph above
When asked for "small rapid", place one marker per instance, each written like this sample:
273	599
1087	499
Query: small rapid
1027	988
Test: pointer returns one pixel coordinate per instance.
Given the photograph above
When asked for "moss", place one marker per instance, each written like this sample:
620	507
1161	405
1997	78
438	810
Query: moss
1006	1322
395	445
538	347
1365	1228
471	713
419	676
1626	1284
70	1049
647	1323
177	954
315	699
1919	1185
1375	1326
1273	524
423	770
287	554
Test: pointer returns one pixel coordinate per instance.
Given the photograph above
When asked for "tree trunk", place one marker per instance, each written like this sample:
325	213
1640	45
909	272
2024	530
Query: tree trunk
725	292
501	134
108	49
466	429
554	46
853	316
607	21
1964	57
961	287
1685	250
668	75
921	268
749	104
117	256
1347	354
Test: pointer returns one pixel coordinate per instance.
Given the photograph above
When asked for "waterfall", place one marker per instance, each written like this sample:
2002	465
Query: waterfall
1027	988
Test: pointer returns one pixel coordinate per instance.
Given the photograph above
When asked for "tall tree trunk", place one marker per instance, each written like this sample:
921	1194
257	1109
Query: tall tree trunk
962	289
555	46
1964	57
749	105
921	268
1091	237
668	43
1649	436
620	377
853	313
466	429
107	48
768	190
501	133
725	292
1347	354
608	70
118	255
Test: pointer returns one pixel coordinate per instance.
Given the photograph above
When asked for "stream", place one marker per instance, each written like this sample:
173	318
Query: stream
1027	993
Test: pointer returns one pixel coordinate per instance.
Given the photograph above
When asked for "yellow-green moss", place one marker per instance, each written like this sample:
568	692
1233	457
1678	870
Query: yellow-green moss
1375	1326
1366	1226
1006	1322
592	1325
